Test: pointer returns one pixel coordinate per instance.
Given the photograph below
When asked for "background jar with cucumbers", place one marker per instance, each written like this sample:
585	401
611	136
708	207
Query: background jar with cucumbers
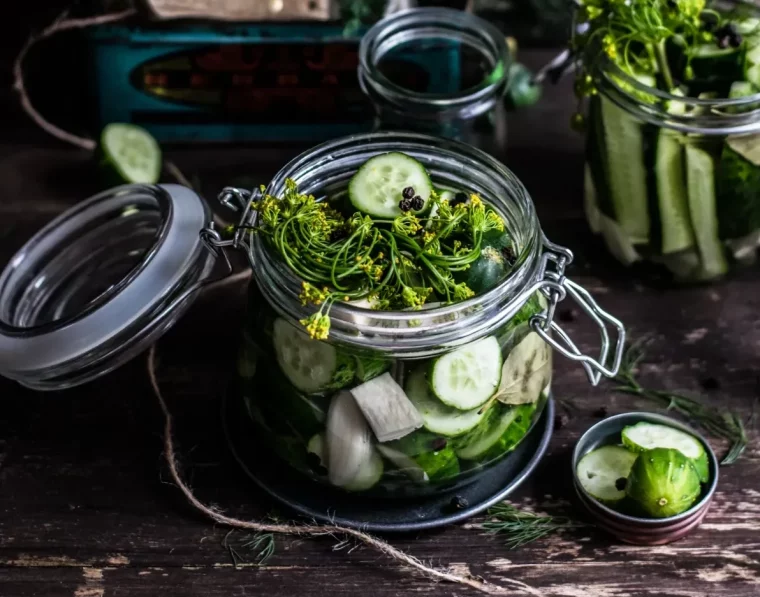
414	401
672	174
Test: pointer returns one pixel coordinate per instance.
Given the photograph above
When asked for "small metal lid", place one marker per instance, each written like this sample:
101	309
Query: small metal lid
101	282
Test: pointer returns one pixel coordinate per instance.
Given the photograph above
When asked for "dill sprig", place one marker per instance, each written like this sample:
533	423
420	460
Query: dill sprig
520	527
395	263
721	423
261	545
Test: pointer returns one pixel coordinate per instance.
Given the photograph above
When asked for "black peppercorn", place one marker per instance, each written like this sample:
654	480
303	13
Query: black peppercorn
621	483
458	198
405	204
408	193
338	234
417	203
459	502
438	444
722	42
735	40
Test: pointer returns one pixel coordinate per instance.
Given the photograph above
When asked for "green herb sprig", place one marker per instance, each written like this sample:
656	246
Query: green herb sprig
520	527
396	263
724	424
261	545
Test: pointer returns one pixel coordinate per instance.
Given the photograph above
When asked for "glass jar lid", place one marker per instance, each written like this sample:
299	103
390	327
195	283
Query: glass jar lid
99	283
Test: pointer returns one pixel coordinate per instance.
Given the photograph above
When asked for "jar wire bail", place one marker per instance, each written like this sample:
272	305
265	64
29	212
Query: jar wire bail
555	286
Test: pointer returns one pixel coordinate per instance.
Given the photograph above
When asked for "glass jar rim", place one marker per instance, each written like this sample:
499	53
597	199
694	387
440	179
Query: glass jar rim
708	116
395	331
435	23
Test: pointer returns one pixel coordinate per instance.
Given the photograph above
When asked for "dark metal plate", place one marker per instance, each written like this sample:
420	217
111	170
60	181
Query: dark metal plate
325	504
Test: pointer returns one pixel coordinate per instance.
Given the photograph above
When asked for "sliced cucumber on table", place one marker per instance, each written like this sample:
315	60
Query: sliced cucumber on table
131	153
499	433
700	180
626	169
310	365
647	436
376	188
604	472
438	417
467	377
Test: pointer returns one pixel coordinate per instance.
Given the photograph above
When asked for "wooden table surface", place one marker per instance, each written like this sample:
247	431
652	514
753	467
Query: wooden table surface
86	511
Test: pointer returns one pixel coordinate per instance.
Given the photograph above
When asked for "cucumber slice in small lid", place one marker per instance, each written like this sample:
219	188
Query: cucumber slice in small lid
603	473
378	186
131	152
647	436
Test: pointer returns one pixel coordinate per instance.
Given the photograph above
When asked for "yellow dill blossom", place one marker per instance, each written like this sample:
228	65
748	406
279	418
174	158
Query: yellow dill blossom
462	292
312	294
317	326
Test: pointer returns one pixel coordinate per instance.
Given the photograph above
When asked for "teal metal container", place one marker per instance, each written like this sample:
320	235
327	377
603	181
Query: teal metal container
241	83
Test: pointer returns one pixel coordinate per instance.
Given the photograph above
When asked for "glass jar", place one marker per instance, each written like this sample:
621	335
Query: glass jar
307	398
438	71
671	181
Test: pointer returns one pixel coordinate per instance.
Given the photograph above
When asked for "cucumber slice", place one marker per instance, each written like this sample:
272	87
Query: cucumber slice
526	371
738	180
467	377
647	436
627	171
711	63
603	473
752	69
596	157
497	435
747	26
423	456
436	416
589	200
700	178
376	188
618	242
310	365
672	198
131	152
